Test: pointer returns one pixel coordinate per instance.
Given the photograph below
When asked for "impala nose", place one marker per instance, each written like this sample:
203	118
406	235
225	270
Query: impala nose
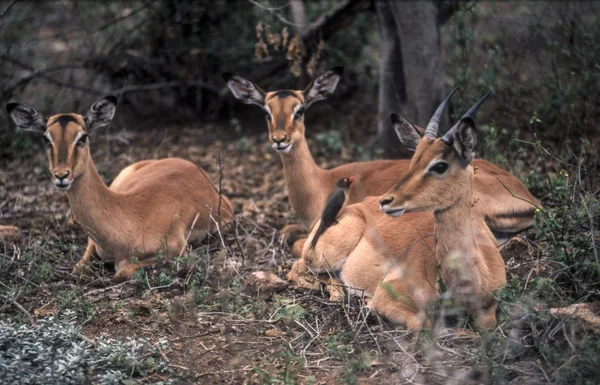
279	140
62	176
386	201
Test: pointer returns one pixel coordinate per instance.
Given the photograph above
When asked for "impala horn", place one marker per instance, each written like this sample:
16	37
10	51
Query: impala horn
469	114
434	123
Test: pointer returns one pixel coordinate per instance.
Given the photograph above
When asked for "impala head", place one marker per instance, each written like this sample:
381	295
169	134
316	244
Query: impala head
284	108
438	174
65	136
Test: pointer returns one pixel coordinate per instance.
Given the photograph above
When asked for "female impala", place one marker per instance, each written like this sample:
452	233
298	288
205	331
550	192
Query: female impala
309	185
148	209
391	262
441	179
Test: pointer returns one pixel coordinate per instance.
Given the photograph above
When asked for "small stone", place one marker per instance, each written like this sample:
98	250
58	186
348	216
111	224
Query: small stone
9	233
265	282
274	333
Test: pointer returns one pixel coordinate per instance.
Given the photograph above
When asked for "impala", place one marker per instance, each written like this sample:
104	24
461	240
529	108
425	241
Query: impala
390	262
441	179
309	185
150	209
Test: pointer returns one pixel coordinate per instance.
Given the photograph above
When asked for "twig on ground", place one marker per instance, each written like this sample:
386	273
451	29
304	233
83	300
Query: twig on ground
87	339
187	238
163	355
225	246
21	308
175	281
105	289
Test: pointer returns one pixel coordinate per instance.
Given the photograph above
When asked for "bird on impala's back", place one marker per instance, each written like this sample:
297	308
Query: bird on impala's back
335	204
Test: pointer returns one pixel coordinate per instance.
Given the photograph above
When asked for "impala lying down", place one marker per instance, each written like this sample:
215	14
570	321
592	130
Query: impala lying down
309	185
149	208
440	178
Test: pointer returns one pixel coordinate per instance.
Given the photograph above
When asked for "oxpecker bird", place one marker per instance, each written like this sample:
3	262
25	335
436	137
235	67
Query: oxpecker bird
335	204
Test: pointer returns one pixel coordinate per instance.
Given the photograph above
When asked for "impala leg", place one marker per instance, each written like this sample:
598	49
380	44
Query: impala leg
302	277
390	301
297	247
293	233
335	288
83	266
485	318
126	272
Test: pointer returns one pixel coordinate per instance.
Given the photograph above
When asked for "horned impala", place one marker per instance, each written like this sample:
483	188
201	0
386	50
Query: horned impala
441	178
309	185
150	206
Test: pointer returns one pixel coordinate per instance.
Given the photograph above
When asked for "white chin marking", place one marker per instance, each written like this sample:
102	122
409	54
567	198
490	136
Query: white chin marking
282	149
394	212
63	186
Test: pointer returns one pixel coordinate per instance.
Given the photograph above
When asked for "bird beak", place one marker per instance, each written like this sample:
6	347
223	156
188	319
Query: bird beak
351	179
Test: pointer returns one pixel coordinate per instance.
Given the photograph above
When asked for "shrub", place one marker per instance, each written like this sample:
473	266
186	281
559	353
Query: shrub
55	352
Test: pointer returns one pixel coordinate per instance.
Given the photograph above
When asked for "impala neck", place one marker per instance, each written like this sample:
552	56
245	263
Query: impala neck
455	232
306	182
95	207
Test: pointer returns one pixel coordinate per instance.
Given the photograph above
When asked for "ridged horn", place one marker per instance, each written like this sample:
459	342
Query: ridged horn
469	114
473	110
434	123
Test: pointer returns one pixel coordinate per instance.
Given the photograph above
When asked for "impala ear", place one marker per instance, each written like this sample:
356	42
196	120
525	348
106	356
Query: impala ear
464	139
244	90
322	86
101	113
26	117
407	133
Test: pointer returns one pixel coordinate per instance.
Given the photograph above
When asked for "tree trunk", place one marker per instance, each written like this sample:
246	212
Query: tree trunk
298	15
411	76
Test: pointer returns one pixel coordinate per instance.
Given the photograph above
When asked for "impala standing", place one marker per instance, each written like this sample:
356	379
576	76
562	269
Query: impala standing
150	207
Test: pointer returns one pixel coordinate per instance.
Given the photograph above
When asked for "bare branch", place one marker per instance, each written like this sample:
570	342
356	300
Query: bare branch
22	309
273	10
45	74
6	11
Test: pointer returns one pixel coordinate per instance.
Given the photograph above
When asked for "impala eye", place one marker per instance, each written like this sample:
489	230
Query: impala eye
439	168
268	117
299	113
47	142
82	140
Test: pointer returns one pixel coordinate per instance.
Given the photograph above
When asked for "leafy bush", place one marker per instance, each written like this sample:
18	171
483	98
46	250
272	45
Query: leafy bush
54	352
330	142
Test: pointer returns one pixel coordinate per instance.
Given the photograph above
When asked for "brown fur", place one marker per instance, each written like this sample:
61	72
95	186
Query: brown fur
309	185
471	264
391	261
148	209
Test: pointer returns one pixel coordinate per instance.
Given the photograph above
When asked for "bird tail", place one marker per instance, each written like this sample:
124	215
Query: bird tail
315	239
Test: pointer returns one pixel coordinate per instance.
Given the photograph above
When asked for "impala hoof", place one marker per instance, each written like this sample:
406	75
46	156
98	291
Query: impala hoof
125	274
81	270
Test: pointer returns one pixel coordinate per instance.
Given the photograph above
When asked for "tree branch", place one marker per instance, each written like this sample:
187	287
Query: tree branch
338	17
6	10
44	74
